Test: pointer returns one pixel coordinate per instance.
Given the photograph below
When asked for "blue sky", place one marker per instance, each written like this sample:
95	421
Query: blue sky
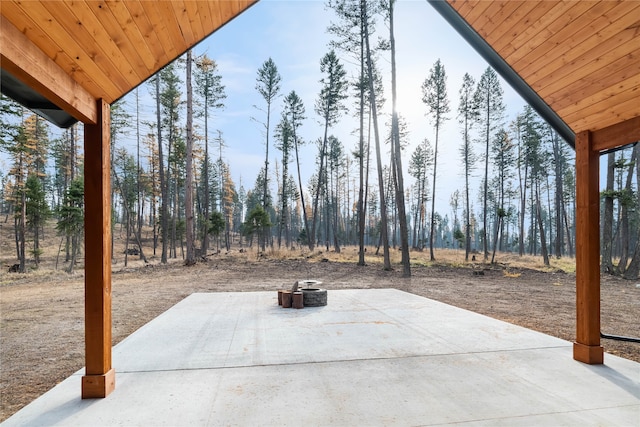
293	34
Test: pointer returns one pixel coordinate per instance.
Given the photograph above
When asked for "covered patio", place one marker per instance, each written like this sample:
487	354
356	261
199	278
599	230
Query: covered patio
409	360
370	357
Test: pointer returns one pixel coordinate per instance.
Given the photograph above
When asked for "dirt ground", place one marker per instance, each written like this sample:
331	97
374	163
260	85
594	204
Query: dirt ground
42	323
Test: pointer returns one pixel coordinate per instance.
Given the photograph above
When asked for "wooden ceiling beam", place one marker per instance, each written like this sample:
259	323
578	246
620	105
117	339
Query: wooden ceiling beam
617	135
604	118
29	64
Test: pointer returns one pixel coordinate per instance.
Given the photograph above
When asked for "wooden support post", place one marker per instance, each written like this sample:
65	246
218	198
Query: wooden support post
99	379
587	347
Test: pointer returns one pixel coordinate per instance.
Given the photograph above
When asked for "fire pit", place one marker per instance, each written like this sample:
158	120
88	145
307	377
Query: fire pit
312	294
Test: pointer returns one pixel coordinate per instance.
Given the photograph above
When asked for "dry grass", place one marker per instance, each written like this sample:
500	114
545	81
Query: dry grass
444	257
51	244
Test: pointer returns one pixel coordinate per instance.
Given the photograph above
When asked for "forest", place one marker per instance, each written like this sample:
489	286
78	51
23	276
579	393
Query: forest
373	191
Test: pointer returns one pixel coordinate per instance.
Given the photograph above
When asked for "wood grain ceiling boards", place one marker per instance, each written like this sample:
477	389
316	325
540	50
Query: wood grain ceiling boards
582	58
110	47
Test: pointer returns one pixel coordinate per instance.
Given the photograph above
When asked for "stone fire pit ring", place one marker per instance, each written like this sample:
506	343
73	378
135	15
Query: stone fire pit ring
312	294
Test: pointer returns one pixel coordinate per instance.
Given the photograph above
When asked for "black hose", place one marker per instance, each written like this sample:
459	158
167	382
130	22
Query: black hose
619	338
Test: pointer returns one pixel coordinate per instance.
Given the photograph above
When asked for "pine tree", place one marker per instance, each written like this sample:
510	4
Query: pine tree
373	102
120	122
627	206
21	151
124	172
188	188
168	116
397	153
268	85
503	152
632	272
210	87
294	111
256	223
536	165
421	160
467	115
354	17
36	210
329	107
488	97
10	113
229	202
164	193
335	161
560	164
434	95
155	192
71	218
284	143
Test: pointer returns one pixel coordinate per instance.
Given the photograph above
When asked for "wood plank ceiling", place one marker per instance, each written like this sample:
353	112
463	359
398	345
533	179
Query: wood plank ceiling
110	47
581	57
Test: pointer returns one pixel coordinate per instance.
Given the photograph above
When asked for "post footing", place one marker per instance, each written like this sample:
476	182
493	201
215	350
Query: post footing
98	386
589	354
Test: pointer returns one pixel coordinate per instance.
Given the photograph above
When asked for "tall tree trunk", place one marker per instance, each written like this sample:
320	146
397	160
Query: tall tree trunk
400	202
127	221
206	212
633	270
559	199
374	111
522	182
607	220
22	224
68	180
543	239
501	210
433	199
467	172
361	160
127	236
315	213
305	218
327	214
499	221
266	165
140	203
188	196
416	210
285	195
533	246
74	252
366	172
335	200
153	215
485	246
175	212
567	229
550	225
164	220
172	190
624	214
19	239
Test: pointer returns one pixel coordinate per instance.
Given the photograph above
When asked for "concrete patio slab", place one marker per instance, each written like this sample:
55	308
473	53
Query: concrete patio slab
370	357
